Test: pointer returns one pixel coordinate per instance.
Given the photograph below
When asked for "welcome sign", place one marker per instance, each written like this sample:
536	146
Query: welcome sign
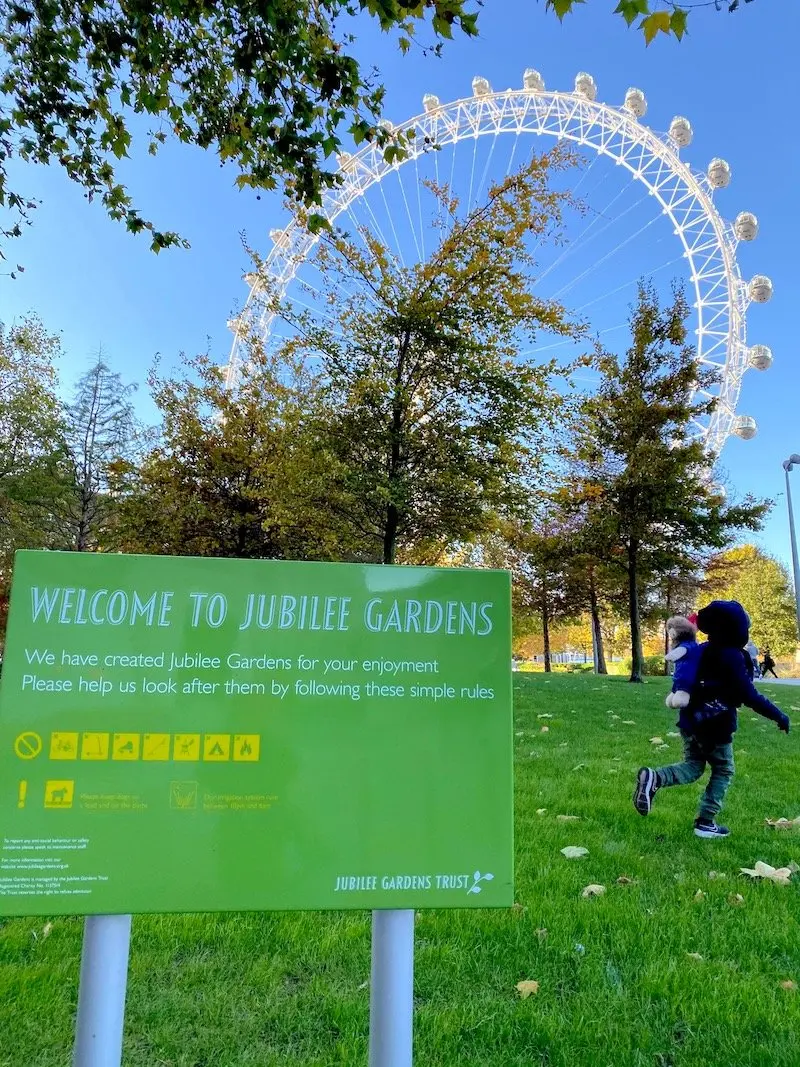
182	734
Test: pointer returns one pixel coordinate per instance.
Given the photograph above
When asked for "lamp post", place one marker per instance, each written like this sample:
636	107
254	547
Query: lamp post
788	464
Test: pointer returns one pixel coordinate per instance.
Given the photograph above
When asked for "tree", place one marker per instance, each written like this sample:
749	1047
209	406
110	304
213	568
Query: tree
638	468
437	422
232	472
271	88
763	587
31	434
100	433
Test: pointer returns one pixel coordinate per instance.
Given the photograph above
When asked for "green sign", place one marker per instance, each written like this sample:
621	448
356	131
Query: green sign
181	734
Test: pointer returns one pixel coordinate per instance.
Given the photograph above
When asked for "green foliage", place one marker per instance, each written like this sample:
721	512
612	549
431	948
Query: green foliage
268	87
436	421
763	587
640	478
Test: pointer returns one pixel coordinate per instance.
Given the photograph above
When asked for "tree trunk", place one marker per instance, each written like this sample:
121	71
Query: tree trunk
637	657
546	634
597	633
668	606
390	534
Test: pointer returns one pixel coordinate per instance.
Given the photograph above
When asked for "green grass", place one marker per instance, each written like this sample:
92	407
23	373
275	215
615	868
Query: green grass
617	986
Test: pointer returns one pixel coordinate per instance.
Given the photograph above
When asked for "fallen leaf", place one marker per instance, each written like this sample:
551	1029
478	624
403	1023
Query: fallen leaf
779	875
673	733
624	880
544	730
527	989
542	934
662	746
46	930
544	715
783	824
695	956
567	818
789	984
736	900
656	740
628	722
364	985
615	716
518	908
713	875
541	811
700	895
593	891
793	867
520	733
579	767
574	852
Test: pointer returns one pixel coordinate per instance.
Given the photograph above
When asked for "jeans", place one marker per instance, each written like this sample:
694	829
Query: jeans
695	757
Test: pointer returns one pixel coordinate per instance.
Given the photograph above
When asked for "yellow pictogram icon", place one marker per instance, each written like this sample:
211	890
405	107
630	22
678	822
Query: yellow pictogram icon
155	747
216	747
94	746
125	746
22	794
183	796
186	747
63	745
246	747
28	745
58	793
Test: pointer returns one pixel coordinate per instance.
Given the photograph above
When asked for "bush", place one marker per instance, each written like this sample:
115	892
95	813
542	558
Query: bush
653	666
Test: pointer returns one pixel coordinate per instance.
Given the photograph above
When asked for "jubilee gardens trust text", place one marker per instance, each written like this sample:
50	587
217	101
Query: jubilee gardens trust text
120	608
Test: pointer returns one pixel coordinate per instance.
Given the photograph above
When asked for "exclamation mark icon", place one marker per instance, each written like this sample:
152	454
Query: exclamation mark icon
23	792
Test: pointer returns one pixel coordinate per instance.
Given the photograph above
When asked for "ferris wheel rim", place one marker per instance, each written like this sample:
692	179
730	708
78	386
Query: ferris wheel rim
709	242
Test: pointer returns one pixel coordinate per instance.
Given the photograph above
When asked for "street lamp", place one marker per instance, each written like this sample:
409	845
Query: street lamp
788	464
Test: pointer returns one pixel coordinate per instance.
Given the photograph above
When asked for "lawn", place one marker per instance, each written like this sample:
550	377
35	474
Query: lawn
668	969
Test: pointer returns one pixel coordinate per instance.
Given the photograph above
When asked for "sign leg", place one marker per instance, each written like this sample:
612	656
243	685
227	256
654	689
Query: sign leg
101	996
392	989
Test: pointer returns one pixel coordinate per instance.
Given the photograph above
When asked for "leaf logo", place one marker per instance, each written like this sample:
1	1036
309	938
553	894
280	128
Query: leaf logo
477	878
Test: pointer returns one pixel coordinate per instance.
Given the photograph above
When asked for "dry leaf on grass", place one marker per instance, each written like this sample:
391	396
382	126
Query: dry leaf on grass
793	867
673	733
567	818
574	852
789	984
518	908
542	934
544	730
700	895
656	740
593	891
544	715
695	956
541	811
628	722
624	880
659	747
579	767
783	824
527	989
736	900
779	875
714	875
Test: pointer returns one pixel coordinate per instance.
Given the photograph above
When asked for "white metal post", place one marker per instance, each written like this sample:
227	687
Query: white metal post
391	1017
788	465
101	996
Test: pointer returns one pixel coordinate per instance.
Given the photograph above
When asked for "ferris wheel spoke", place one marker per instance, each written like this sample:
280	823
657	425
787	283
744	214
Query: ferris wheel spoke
418	185
627	284
604	259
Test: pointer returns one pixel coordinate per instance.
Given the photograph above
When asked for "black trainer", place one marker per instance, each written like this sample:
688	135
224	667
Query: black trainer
646	788
706	828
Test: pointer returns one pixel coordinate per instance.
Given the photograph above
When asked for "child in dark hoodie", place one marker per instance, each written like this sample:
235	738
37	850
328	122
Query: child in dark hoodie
724	681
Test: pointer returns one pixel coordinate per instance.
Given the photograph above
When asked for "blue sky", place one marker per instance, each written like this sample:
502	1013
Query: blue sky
731	77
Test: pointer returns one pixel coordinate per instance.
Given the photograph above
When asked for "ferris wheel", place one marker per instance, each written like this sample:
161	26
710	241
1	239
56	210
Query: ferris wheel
707	243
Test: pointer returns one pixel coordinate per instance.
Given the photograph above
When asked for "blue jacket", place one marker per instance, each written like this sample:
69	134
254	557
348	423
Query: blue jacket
724	677
685	670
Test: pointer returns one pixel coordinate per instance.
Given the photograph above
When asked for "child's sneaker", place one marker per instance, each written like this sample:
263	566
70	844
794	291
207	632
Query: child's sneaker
646	788
706	828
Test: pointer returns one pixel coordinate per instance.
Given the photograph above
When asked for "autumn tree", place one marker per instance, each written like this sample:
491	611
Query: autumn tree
437	420
100	440
638	465
232	473
763	587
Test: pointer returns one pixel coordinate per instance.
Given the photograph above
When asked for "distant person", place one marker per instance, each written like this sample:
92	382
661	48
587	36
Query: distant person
768	665
708	722
751	648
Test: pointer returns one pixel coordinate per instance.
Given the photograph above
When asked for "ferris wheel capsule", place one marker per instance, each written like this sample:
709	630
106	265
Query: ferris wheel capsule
585	85
636	102
481	87
680	130
533	81
719	174
344	159
745	426
279	237
746	226
430	103
760	289
760	357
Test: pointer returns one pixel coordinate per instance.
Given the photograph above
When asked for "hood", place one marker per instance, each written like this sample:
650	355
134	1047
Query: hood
726	623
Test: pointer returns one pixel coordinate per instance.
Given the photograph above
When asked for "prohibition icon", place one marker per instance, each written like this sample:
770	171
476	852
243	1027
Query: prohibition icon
28	745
